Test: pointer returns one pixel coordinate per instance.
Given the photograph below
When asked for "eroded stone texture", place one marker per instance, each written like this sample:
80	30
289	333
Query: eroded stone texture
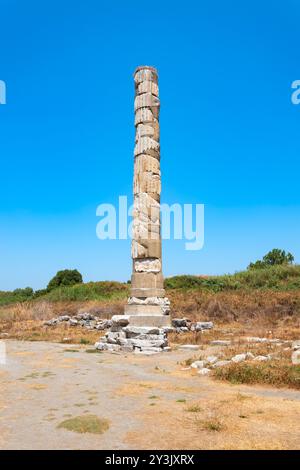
147	293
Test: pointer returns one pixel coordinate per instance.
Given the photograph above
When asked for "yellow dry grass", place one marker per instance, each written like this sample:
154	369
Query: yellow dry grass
226	421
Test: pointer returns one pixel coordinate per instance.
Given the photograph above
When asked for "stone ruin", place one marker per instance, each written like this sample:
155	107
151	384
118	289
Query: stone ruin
146	320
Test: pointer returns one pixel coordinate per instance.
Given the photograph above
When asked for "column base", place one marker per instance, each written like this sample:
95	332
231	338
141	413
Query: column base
146	315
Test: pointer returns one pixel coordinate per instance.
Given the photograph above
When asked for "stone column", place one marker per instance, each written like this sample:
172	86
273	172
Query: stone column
147	305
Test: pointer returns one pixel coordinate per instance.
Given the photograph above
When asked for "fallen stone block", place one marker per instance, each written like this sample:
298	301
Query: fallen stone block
198	364
220	342
262	358
179	322
120	320
239	357
132	331
189	347
204	325
204	371
62	318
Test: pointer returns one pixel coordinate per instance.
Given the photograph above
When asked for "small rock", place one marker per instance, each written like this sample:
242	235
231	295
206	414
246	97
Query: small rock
85	316
167	349
120	320
220	342
296	344
296	357
204	371
249	355
63	318
73	322
202	325
179	322
261	358
212	359
168	329
189	347
66	340
198	364
239	357
127	347
101	346
256	339
182	329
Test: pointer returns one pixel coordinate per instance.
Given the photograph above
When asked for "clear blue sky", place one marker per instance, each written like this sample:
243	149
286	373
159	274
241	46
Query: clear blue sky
229	133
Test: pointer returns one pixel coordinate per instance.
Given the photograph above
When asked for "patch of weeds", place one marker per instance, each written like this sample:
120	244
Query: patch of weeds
48	374
85	424
153	397
259	412
84	341
93	351
181	400
194	409
34	375
213	425
79	404
71	350
243	416
152	404
38	387
276	373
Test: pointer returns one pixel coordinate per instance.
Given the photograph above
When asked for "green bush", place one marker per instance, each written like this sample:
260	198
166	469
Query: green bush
67	277
275	257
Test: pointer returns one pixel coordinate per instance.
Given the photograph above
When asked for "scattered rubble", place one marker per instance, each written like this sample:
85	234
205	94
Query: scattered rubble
184	325
86	320
139	339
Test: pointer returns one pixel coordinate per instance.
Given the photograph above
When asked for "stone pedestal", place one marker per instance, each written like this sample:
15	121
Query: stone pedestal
147	304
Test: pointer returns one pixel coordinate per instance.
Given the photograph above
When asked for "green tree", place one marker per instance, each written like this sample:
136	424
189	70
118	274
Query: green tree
67	277
273	258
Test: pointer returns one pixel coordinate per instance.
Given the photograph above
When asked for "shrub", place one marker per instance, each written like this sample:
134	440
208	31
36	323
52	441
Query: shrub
273	258
277	373
67	277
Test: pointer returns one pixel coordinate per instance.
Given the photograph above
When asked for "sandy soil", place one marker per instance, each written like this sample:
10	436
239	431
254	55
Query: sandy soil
149	401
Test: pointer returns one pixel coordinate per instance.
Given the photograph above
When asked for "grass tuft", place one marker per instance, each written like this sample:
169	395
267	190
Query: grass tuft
276	373
85	424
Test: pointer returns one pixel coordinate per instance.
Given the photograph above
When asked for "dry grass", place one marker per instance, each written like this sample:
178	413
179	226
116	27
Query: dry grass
235	313
226	421
276	373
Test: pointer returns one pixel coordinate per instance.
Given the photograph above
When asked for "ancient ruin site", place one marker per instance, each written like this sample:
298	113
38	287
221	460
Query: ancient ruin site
181	362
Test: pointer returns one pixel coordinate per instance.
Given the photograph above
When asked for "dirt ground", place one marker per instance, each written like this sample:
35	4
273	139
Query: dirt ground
150	403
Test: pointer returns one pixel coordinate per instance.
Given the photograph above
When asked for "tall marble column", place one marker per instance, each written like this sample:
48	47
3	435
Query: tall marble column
147	304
